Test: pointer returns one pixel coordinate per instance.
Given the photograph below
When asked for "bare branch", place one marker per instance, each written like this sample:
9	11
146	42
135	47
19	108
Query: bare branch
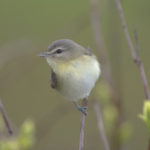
149	145
101	125
5	118
105	65
99	41
126	29
137	43
135	57
81	143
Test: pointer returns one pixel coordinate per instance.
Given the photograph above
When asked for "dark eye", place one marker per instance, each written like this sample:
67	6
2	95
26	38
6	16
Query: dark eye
58	51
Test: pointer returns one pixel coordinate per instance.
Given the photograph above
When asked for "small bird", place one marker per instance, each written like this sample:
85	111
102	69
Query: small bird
74	70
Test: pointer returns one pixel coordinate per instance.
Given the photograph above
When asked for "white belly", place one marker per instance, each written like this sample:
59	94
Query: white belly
78	84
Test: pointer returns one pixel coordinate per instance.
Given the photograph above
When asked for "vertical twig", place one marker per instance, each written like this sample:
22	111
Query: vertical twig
81	142
149	144
99	41
134	53
5	118
106	72
101	125
135	58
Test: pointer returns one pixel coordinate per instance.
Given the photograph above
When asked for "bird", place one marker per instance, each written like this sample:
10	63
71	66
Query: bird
74	70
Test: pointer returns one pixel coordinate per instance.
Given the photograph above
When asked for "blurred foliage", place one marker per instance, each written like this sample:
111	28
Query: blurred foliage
125	132
102	91
24	140
146	115
110	113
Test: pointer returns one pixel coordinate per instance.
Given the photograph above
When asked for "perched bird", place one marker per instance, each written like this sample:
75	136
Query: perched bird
75	70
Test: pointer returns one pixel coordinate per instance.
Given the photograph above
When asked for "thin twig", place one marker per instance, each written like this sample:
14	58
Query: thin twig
134	53
5	118
149	145
135	57
99	41
81	142
137	43
101	125
105	65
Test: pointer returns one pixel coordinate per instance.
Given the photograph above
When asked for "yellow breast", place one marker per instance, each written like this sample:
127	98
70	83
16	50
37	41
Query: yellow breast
77	66
77	77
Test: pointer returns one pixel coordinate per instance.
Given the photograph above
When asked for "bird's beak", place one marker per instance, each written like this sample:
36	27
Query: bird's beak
44	54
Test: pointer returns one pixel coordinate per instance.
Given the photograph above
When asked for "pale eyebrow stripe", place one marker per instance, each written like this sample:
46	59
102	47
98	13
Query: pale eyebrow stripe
54	50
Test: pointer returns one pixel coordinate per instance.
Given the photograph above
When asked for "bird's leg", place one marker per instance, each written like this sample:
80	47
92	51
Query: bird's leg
80	108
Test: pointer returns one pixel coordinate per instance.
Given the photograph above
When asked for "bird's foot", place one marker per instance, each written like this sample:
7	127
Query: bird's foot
83	110
80	108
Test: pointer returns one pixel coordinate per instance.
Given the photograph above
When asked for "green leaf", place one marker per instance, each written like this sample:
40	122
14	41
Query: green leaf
146	115
23	141
26	138
103	92
125	132
110	115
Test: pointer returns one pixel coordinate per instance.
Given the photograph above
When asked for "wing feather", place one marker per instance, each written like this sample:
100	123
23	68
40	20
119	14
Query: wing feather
53	80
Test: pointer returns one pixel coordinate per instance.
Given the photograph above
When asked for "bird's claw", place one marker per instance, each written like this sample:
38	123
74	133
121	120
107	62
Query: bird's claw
83	110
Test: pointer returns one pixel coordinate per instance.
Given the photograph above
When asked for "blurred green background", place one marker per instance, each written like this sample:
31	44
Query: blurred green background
27	28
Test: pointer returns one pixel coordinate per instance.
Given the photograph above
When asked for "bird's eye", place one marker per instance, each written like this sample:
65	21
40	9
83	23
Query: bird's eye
58	51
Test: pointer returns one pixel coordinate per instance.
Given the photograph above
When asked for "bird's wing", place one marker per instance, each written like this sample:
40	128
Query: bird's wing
53	80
